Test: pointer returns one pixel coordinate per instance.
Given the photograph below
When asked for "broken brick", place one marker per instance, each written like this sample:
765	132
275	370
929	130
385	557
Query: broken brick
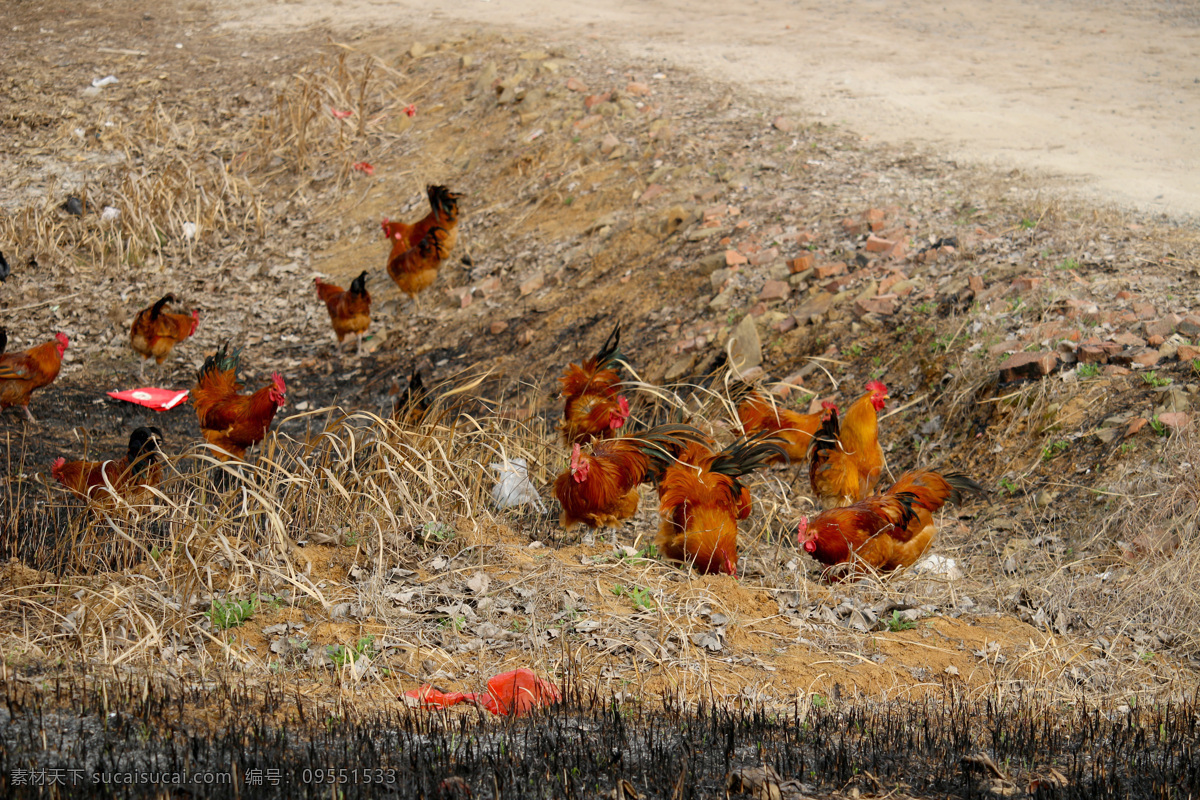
1091	354
876	245
774	291
801	263
765	257
1028	366
1025	283
829	270
733	258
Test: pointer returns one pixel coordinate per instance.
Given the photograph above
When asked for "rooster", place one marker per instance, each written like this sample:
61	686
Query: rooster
443	213
794	430
349	311
154	333
701	501
233	422
416	268
885	531
846	457
22	373
592	407
599	487
128	476
413	403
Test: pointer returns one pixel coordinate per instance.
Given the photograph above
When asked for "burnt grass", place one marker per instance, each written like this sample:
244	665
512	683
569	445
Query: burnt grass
270	746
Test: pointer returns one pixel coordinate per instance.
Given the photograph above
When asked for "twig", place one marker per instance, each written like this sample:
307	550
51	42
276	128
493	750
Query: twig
43	303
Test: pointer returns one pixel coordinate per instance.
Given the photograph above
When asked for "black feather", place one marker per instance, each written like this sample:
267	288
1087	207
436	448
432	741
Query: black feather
748	454
220	361
143	448
358	286
3	340
157	308
5	271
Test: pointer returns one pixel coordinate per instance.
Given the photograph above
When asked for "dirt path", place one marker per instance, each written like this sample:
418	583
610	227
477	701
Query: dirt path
1104	97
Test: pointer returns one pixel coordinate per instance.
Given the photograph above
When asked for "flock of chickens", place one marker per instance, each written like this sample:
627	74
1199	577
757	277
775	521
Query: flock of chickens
700	489
701	495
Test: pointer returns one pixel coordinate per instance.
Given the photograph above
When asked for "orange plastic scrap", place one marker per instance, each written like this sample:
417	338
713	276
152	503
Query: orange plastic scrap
518	692
510	693
430	697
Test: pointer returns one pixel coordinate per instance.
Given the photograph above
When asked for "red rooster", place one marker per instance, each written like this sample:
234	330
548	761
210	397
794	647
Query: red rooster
22	373
592	408
230	421
701	500
885	531
846	457
128	476
443	213
600	487
793	429
154	332
349	310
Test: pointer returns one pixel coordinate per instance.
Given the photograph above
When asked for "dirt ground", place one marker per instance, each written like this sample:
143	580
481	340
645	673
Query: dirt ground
1104	97
664	195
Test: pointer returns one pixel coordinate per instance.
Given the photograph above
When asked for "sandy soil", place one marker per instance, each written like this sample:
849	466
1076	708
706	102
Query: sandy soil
1104	98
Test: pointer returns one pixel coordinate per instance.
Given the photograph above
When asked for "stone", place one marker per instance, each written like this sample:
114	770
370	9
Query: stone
1025	283
1009	346
774	291
576	85
590	121
1028	366
1163	327
884	306
417	50
498	327
1175	420
783	125
1189	326
1129	340
610	143
1144	311
734	259
1176	399
1135	425
593	100
533	284
815	308
745	347
1114	371
720	276
1187	352
636	89
975	283
711	263
722	301
525	337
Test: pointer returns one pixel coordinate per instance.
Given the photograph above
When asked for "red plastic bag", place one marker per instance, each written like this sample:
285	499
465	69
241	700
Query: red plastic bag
151	397
509	693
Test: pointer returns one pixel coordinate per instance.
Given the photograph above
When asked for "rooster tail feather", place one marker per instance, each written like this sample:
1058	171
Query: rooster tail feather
610	353
220	361
157	308
359	285
828	435
963	486
748	454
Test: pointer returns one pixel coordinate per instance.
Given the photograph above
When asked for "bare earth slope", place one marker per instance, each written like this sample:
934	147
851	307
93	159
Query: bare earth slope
1104	95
